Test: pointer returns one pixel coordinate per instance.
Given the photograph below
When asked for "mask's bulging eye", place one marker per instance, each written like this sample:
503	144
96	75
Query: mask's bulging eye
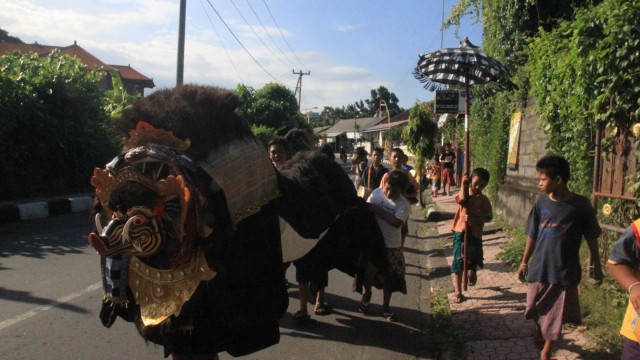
139	220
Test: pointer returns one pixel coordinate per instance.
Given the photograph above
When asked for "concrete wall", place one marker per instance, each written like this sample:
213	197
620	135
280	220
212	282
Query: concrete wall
520	189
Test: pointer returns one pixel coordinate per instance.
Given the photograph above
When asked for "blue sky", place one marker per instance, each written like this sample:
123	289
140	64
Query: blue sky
349	46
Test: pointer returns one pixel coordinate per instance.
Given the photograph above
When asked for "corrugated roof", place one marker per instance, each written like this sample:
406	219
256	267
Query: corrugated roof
127	72
385	125
349	125
317	130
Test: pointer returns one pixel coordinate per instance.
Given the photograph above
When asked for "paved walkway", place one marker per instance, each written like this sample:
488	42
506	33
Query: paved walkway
491	320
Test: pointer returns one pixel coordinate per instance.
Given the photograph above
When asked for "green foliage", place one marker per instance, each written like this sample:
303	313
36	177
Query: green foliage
489	136
263	133
273	106
595	79
382	94
394	135
444	341
420	133
453	131
603	308
512	251
117	99
460	10
53	128
366	108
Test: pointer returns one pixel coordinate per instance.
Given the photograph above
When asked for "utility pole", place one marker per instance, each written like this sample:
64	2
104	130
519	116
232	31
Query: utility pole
180	72
299	85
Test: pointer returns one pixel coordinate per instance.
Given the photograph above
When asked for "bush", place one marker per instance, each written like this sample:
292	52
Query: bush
53	128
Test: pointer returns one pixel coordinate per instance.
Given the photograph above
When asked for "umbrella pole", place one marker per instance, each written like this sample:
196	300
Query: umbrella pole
465	188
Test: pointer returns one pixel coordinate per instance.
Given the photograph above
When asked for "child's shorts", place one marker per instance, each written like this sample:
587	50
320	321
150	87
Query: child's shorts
630	349
476	255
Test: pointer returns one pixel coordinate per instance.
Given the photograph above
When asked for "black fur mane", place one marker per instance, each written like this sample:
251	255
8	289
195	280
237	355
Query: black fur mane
204	114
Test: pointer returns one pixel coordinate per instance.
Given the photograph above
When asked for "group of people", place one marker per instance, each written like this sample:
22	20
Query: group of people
391	193
555	227
444	170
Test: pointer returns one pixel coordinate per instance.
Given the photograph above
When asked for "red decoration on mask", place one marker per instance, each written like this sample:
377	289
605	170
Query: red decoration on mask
144	125
159	208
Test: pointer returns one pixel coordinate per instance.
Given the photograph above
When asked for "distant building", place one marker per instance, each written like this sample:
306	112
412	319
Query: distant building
133	81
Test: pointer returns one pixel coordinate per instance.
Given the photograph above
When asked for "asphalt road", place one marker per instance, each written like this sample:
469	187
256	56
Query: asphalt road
50	295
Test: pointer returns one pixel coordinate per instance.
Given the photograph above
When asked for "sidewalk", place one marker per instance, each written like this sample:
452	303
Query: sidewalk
491	319
11	211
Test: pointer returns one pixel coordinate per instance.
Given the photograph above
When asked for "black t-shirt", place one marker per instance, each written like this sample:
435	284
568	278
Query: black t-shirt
447	158
557	228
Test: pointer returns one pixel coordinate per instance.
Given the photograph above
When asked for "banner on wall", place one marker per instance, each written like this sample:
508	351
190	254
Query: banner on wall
514	141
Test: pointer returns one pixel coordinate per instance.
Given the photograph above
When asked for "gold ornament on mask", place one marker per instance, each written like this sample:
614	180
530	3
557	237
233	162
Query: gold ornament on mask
162	293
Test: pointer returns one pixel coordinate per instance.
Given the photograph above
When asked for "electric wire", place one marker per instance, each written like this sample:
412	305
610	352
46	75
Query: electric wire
242	45
282	35
221	42
256	34
269	34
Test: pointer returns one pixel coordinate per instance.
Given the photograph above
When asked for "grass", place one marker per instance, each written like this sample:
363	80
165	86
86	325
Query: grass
603	306
445	343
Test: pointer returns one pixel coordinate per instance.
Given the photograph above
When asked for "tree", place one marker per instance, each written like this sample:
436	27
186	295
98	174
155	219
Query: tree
421	133
394	135
273	106
53	128
5	37
263	133
389	98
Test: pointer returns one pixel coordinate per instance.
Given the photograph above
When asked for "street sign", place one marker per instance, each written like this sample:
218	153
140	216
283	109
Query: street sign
449	102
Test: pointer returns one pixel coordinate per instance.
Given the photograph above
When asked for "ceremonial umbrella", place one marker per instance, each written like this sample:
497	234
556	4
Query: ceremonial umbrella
466	65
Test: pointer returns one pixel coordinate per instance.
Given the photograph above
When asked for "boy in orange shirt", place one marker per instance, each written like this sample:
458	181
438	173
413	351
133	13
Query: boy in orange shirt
473	208
624	266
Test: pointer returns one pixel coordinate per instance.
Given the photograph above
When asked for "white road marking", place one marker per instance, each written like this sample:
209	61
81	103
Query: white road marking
37	310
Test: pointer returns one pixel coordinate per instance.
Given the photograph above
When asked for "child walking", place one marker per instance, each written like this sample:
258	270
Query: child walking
436	169
624	266
475	209
392	211
556	225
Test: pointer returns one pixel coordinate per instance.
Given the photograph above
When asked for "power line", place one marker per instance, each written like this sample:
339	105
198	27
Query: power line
269	34
285	39
242	45
256	34
221	42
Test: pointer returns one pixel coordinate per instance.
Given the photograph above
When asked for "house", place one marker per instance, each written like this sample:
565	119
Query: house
351	132
133	81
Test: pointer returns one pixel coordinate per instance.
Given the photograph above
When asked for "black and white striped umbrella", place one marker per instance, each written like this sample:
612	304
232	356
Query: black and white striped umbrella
466	64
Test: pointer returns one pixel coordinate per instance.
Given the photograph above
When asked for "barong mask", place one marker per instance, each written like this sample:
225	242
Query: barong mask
152	218
146	202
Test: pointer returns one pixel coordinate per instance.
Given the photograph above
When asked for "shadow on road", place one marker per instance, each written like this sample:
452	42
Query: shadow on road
33	238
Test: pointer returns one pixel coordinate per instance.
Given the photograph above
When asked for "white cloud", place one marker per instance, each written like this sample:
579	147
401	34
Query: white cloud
143	34
346	28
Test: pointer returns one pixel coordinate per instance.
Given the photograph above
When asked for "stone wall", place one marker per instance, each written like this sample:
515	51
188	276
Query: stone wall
520	189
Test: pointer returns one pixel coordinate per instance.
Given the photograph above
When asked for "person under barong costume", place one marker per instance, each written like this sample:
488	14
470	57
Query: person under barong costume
187	238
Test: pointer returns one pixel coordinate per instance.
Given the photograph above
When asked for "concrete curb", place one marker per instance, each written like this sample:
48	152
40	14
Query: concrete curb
11	212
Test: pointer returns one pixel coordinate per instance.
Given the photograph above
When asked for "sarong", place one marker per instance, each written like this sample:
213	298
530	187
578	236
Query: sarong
553	305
